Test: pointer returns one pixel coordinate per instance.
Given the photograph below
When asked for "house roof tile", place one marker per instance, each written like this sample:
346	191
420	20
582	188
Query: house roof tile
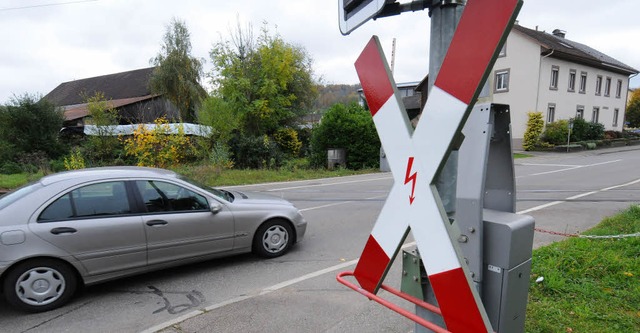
118	86
562	48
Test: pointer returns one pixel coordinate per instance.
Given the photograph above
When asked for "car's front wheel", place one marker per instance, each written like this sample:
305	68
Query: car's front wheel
39	285
273	239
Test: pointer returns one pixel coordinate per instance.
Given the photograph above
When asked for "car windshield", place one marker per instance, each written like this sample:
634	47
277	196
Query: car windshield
14	195
222	194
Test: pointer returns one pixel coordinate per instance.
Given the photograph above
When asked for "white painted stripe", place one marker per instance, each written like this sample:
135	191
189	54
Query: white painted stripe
171	322
567	169
551	165
307	277
568	199
328	184
338	203
264	291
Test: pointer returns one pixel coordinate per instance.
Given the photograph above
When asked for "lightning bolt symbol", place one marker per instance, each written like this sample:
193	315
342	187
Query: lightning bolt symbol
409	177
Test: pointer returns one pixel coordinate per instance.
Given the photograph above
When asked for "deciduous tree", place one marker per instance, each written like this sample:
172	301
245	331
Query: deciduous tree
633	109
177	73
267	81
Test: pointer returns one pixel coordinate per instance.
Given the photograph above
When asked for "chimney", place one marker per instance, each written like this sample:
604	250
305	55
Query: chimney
559	33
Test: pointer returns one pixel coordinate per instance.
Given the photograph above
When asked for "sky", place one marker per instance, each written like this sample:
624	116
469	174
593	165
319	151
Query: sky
47	42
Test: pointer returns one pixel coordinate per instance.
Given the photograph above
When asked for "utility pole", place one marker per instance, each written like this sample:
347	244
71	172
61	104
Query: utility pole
445	16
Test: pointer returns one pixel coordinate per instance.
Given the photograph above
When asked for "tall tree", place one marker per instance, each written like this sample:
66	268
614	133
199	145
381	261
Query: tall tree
633	109
268	81
177	74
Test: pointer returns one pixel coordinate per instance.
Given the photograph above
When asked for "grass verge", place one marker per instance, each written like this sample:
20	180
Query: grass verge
521	155
8	182
215	177
590	285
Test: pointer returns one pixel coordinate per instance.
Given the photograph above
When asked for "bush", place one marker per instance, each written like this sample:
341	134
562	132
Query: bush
556	132
157	147
7	151
287	140
350	127
535	126
256	152
10	168
74	161
31	124
105	147
220	157
583	130
595	131
612	135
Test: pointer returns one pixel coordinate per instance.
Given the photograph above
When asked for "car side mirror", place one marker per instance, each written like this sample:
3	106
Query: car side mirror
215	208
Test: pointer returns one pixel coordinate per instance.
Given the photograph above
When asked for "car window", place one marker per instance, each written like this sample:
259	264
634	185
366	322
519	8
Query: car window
14	195
222	194
95	200
166	197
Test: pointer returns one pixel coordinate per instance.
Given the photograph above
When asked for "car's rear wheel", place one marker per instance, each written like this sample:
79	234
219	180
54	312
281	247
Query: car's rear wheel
39	285
273	239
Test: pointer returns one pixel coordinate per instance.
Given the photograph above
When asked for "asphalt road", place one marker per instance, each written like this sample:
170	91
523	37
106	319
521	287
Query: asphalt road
566	193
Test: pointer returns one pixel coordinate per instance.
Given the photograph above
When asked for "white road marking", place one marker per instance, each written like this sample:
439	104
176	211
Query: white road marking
339	203
568	199
569	167
264	291
328	184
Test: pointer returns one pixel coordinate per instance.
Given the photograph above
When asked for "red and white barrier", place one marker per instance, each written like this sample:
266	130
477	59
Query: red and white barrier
415	157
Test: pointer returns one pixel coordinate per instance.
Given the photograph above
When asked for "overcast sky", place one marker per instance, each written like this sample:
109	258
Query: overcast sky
46	42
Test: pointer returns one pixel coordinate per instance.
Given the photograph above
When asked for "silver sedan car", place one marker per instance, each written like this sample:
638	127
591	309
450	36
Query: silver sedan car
87	226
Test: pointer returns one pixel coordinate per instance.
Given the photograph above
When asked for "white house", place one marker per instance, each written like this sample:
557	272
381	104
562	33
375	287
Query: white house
540	71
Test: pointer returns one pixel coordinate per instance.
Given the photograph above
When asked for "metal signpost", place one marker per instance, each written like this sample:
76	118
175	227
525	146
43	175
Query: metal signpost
484	238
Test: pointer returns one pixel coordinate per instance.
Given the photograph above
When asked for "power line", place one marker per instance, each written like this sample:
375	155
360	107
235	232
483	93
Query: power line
47	5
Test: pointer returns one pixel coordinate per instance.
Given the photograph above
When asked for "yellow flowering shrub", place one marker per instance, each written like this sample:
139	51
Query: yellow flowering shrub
157	147
74	161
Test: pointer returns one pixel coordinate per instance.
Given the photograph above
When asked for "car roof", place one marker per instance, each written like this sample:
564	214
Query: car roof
106	173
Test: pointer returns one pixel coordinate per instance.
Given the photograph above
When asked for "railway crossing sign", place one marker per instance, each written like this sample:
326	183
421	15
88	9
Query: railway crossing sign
416	156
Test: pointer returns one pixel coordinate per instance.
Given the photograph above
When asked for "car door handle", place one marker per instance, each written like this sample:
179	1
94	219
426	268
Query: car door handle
63	230
156	222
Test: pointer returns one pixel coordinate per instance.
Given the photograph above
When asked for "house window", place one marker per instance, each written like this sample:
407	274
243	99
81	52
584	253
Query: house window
551	112
555	71
572	81
619	89
595	114
607	86
580	112
616	112
598	85
502	80
583	82
503	50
